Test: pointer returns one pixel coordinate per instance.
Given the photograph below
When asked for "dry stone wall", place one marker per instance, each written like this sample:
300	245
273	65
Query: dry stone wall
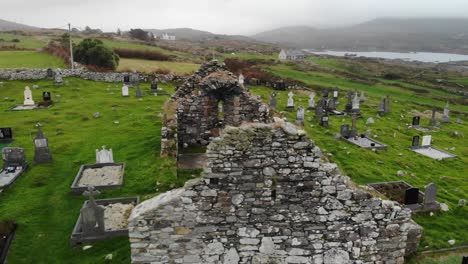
38	74
267	197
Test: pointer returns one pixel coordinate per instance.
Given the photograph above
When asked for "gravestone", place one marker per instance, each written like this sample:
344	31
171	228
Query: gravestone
387	104
311	101
290	105
426	141
465	260
50	73
41	148
6	135
325	94
349	104
353	132
104	155
319	109
241	79
362	98
46	96
28	99
344	131
13	158
154	86
381	108
355	104
445	118
273	100
58	79
416	120
335	97
138	92
324	121
300	116
433	121
411	196
331	105
430	193
126	79
125	91
92	215
415	141
135	79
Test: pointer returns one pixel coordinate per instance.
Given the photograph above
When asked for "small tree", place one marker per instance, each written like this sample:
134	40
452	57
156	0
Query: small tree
139	33
93	52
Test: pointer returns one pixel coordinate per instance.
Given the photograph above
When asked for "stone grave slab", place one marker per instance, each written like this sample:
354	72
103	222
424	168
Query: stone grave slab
365	142
434	153
115	214
408	196
7	234
14	164
102	176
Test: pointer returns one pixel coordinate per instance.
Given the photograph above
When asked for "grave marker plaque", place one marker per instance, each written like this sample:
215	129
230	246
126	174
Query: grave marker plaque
415	141
426	141
411	196
6	135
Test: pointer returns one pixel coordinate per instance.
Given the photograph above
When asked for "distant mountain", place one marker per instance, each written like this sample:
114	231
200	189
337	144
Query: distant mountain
384	34
7	26
196	35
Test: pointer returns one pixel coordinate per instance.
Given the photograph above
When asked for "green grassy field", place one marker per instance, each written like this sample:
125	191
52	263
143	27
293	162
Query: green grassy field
148	66
29	59
26	42
40	201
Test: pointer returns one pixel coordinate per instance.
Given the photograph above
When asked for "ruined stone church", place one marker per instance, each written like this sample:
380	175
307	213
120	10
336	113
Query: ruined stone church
266	195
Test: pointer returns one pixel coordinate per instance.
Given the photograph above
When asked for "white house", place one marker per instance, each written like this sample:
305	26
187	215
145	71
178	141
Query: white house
295	55
166	36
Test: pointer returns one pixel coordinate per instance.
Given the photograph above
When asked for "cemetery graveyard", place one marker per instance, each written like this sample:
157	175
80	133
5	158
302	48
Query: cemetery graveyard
132	128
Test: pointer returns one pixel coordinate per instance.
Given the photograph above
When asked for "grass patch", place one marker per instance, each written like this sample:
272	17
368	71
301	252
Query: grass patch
40	201
25	42
147	66
29	59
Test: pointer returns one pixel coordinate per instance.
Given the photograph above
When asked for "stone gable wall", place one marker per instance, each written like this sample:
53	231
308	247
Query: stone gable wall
267	197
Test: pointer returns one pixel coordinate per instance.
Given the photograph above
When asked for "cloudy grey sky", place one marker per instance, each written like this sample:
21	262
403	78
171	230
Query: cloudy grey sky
219	16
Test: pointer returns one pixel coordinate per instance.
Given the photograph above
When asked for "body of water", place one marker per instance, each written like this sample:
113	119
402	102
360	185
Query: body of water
413	56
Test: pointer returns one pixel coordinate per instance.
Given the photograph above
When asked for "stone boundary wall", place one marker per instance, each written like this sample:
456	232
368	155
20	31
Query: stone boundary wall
267	197
38	74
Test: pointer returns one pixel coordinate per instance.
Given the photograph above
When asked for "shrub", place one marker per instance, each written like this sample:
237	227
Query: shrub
15	40
93	52
140	34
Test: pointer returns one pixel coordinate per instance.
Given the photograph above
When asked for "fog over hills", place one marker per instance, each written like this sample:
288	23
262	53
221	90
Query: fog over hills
7	25
388	34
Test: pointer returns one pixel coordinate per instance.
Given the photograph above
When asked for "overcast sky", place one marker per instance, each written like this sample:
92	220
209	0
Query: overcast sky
219	16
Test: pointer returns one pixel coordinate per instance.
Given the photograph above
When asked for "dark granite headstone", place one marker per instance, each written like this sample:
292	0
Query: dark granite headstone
415	141
92	215
138	92
349	104
46	96
154	85
344	131
465	260
14	157
50	73
41	148
416	120
433	121
411	196
6	135
126	79
324	121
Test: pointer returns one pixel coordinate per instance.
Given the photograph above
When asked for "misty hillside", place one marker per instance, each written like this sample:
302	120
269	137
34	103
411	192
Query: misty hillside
388	34
196	35
7	26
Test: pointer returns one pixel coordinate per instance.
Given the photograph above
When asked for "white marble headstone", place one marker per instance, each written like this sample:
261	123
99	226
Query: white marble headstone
241	79
28	100
426	141
290	99
104	155
125	90
356	101
311	100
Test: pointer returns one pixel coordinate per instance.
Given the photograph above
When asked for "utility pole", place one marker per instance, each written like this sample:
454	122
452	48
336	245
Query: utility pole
71	47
